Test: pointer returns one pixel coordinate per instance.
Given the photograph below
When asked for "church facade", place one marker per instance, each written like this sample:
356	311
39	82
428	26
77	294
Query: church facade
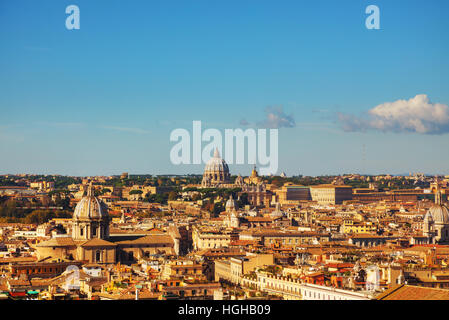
90	240
216	175
436	221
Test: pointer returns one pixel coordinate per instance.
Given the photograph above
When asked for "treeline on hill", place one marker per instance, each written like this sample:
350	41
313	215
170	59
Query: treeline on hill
13	212
155	181
61	182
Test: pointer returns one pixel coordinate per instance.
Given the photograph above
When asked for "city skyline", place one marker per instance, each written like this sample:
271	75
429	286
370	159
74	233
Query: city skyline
217	158
103	99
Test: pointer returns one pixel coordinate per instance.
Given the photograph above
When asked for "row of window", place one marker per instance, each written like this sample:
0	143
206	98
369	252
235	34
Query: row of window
94	231
305	293
303	240
41	270
320	296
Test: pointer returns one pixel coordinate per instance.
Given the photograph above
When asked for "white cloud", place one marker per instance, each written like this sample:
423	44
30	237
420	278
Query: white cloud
276	118
124	129
416	115
61	124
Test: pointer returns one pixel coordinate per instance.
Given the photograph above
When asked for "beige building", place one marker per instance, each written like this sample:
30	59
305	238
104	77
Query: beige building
235	268
329	194
43	185
293	193
182	268
286	239
240	266
207	239
293	289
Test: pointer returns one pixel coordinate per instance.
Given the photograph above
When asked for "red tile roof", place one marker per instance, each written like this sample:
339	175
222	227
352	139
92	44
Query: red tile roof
407	292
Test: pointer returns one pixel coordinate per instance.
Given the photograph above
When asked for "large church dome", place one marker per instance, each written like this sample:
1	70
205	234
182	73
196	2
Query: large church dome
439	214
90	208
216	164
216	171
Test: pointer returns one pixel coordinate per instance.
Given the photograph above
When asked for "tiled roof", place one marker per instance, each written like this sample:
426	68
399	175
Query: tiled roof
98	243
17	260
40	282
261	219
150	239
129	295
407	292
57	242
13	282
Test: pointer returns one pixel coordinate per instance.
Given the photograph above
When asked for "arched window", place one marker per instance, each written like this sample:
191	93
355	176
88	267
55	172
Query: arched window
98	256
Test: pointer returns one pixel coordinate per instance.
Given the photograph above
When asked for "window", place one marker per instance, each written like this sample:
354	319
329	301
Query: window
98	256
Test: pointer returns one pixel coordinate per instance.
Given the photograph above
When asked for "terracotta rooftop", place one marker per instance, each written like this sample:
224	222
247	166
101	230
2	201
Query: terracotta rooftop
150	239
17	260
261	219
407	292
98	243
57	242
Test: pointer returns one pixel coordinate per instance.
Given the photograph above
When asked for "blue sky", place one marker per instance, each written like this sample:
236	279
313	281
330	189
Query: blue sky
103	99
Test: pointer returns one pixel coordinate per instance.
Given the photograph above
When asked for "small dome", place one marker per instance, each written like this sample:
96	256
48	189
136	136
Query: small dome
231	204
90	207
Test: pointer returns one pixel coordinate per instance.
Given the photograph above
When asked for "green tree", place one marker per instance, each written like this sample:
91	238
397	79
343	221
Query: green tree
172	195
218	207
